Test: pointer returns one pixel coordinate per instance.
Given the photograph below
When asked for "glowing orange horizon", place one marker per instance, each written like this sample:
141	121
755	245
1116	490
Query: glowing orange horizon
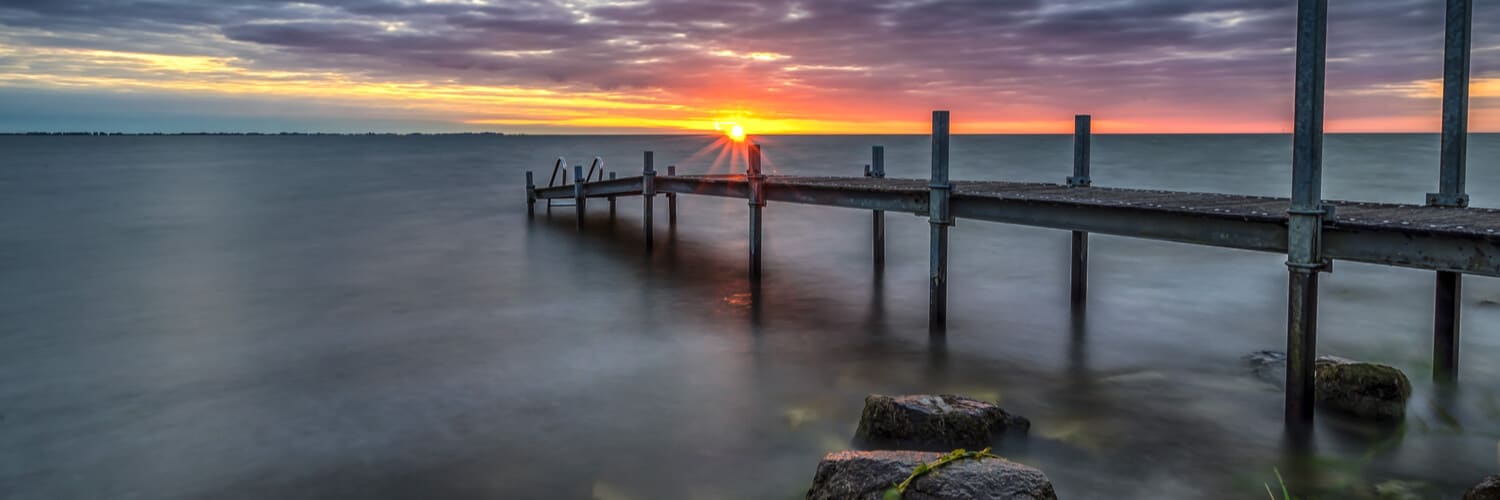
788	109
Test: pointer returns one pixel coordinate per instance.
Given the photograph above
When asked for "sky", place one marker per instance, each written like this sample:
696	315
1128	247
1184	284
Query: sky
675	66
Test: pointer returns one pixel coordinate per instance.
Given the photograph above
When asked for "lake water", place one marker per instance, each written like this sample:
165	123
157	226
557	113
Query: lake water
376	317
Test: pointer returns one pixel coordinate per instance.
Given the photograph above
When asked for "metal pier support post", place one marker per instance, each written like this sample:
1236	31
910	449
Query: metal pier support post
530	195
648	193
940	218
578	199
1448	297
1305	216
876	169
757	201
671	199
611	199
1082	130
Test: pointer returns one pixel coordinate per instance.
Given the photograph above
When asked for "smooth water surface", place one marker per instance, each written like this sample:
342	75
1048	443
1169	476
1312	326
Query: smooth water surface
376	317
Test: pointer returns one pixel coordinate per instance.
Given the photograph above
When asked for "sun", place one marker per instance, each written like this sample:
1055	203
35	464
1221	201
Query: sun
736	133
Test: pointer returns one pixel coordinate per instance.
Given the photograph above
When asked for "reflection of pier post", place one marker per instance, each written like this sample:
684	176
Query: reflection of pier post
757	201
940	218
1448	299
1305	215
1080	178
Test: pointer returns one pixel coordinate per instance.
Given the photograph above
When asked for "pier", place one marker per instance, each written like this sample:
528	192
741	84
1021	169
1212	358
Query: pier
1443	234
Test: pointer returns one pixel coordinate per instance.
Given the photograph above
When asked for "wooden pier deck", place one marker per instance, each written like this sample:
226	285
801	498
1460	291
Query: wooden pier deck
1465	240
1443	235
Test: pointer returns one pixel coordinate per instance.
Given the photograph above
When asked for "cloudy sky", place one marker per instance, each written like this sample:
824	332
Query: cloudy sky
776	66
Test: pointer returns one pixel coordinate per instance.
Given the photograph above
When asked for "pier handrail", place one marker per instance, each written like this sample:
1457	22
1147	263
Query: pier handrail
561	164
598	163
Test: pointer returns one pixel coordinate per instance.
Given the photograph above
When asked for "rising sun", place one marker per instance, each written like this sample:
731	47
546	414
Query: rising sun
736	133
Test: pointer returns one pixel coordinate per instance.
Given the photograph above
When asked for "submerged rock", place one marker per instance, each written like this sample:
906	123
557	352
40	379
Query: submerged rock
928	422
866	475
1367	390
1488	489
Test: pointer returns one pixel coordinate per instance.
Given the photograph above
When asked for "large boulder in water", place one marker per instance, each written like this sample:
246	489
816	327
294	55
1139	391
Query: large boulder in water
1367	390
866	475
928	422
1488	489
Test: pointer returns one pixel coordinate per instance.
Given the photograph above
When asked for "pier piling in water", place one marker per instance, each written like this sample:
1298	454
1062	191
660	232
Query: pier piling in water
876	170
757	201
1448	298
1306	214
671	199
1082	136
578	199
530	195
611	199
648	193
939	217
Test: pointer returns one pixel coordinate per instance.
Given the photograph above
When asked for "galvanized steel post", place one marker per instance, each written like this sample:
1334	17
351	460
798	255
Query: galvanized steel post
648	193
757	200
1081	144
1447	300
578	199
611	199
1305	215
877	170
671	199
940	218
530	195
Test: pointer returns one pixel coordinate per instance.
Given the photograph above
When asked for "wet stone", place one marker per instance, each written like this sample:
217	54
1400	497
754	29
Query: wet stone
1365	390
866	475
1488	489
933	422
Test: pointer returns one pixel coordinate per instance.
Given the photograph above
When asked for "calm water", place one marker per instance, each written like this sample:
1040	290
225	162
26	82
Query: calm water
265	317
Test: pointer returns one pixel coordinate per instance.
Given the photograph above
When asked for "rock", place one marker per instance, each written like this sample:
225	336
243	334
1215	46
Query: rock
939	423
1488	489
1401	490
1365	390
866	475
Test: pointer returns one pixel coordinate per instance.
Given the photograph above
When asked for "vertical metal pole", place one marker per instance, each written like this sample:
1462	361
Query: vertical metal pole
530	195
1305	216
1448	299
940	219
757	200
578	199
611	199
671	199
1082	138
648	193
877	170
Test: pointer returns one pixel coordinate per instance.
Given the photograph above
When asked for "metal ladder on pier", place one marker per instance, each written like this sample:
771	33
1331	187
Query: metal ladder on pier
561	165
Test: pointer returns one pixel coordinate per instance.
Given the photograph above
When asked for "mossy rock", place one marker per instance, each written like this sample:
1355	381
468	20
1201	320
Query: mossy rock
1488	489
1365	390
933	422
867	475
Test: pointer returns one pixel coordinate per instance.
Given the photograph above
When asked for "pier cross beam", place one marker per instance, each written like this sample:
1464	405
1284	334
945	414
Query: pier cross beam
1082	130
648	194
1305	215
941	218
1447	300
578	195
876	169
757	202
